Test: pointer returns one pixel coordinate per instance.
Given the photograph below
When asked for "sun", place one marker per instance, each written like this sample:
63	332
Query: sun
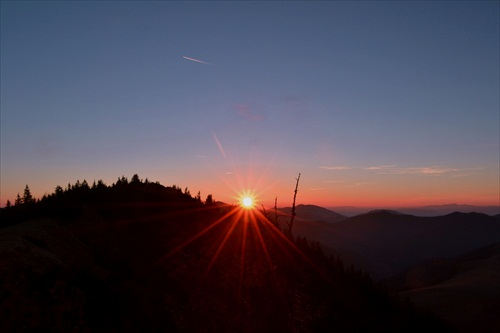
247	202
247	199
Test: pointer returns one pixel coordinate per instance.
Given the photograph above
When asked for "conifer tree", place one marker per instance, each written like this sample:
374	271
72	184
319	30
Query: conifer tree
58	191
18	201
27	197
135	179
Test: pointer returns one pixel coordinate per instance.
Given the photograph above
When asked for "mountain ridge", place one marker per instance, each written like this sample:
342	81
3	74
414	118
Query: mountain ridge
426	210
313	213
393	242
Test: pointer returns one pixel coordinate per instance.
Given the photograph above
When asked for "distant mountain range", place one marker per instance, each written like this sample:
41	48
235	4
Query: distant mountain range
448	263
389	242
432	210
441	260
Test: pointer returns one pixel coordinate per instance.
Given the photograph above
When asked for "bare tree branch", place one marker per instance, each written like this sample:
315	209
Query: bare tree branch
290	224
276	212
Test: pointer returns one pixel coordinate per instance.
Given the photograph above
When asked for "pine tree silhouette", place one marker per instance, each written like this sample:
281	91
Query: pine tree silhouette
27	197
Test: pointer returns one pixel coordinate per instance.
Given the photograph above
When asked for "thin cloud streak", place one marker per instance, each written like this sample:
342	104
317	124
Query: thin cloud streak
381	167
364	183
197	60
428	170
395	170
434	170
335	168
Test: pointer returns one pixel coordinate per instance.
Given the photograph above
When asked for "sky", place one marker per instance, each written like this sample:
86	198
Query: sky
373	103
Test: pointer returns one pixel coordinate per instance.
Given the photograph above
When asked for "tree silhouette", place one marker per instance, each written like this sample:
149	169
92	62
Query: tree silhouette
209	201
135	179
276	224
27	197
58	191
18	200
100	184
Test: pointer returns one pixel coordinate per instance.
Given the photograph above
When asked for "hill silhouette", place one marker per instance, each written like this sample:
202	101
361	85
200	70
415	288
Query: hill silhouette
313	213
463	290
429	211
138	256
391	242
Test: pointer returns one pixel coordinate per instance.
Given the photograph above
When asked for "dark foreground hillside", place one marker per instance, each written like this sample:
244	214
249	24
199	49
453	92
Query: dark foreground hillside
150	258
464	291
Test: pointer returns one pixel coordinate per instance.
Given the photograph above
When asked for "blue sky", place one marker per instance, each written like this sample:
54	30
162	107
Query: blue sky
390	103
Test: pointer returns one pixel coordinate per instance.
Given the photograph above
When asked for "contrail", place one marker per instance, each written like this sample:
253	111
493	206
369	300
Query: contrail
219	145
196	60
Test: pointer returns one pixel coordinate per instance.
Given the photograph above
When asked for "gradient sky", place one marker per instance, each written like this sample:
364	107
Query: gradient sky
374	103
